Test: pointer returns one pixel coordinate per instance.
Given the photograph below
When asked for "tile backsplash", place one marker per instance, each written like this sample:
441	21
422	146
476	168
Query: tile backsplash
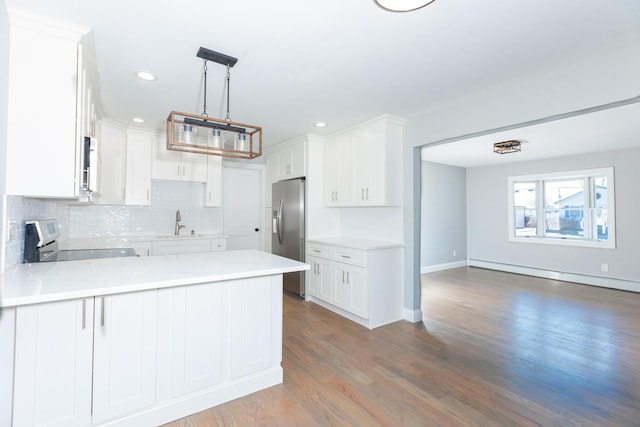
80	221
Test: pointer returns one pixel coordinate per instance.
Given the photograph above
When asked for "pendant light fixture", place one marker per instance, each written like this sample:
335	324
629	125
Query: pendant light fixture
402	5
202	134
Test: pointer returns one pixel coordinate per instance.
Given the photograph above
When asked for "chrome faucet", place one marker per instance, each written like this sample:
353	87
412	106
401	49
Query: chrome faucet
178	226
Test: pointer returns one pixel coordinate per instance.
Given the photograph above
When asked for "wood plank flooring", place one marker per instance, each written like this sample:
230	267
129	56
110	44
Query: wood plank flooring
498	349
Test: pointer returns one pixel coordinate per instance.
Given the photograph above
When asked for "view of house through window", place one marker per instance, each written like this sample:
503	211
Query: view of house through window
568	208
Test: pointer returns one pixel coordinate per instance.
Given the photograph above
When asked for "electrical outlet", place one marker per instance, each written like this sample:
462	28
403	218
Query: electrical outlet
12	229
604	267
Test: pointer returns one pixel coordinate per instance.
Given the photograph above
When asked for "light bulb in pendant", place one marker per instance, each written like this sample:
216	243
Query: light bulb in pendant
214	138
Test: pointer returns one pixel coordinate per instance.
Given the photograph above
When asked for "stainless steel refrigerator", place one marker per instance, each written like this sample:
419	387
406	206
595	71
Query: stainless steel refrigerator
287	238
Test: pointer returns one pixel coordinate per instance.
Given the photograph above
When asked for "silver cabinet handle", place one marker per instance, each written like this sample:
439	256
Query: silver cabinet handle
342	276
362	194
345	256
102	312
147	194
367	193
84	314
184	170
347	277
178	170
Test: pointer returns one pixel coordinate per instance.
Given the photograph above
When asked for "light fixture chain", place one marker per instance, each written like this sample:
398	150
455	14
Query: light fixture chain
228	118
204	106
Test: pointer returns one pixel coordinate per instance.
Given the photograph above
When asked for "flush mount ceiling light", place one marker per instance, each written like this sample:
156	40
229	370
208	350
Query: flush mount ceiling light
402	5
137	120
510	146
202	134
320	124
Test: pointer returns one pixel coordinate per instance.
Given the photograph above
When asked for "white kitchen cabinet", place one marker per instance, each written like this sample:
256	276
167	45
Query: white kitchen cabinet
124	358
254	346
53	364
195	343
337	172
42	115
176	165
138	167
113	150
213	186
357	278
218	245
320	278
362	165
286	160
84	361
142	248
175	246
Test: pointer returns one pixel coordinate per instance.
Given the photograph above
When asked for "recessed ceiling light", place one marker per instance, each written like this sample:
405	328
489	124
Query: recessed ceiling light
138	120
145	75
321	124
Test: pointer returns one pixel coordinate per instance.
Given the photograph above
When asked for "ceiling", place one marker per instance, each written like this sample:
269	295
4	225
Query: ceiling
336	61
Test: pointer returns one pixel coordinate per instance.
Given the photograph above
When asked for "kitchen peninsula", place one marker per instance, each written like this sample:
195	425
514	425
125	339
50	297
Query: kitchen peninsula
140	340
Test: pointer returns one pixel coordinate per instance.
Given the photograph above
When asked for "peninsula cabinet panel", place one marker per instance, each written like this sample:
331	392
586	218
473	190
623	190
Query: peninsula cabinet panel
81	362
53	364
125	334
256	340
192	350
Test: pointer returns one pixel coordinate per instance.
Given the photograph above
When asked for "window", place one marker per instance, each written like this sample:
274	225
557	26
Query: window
569	208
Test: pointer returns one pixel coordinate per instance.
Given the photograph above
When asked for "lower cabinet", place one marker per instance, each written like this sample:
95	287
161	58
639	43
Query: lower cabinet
70	350
363	285
146	358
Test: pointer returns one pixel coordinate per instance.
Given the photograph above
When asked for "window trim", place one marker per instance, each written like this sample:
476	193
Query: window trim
610	243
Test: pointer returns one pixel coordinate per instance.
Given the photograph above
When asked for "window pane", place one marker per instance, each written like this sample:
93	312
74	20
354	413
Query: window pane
600	205
524	200
564	208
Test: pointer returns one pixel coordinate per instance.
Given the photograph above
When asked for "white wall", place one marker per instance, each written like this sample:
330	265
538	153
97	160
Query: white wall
156	219
443	215
606	74
487	218
4	94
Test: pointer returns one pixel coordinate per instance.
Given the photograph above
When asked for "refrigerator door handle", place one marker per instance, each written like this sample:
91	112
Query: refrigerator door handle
279	220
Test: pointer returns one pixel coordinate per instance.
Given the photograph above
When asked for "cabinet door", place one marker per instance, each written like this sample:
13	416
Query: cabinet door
138	171
194	167
337	172
356	284
53	356
166	164
197	339
369	172
213	186
41	115
256	326
320	278
298	160
180	246
350	289
112	145
125	335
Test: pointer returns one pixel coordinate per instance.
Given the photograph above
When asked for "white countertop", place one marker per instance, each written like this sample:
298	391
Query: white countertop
55	281
348	242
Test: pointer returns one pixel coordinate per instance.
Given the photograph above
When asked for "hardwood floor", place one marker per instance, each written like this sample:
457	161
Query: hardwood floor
498	349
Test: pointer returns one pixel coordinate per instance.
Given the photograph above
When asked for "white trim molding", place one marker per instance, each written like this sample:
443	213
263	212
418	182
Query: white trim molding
439	267
413	316
604	282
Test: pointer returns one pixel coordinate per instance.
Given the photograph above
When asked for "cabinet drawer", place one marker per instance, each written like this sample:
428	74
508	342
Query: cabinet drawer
319	250
350	256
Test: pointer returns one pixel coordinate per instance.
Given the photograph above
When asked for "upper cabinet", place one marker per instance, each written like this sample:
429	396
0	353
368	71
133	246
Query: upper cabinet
286	161
177	166
362	165
112	148
138	167
51	105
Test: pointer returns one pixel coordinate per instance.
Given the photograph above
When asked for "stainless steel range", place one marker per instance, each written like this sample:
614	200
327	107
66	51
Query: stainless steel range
41	245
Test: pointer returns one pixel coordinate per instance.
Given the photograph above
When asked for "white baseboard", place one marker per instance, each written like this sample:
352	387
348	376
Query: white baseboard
413	316
440	267
604	282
